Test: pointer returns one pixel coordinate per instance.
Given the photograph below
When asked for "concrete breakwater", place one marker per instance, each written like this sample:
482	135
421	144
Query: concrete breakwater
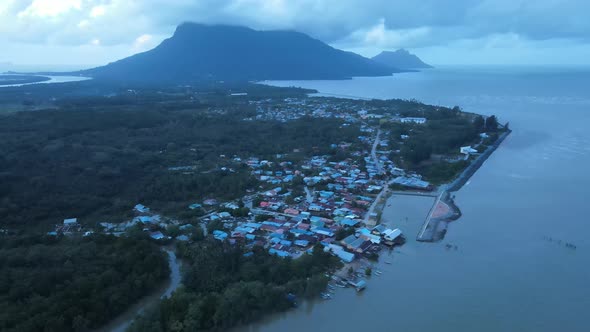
444	209
442	212
460	181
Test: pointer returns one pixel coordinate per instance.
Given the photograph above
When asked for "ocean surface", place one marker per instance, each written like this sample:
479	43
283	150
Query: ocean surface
508	268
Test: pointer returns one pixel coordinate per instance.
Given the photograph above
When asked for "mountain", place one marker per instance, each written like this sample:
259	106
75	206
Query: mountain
222	52
400	59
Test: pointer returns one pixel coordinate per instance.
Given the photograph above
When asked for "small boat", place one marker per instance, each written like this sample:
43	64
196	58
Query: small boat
326	296
387	262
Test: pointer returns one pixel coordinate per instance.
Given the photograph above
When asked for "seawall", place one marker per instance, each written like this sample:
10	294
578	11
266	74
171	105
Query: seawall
460	181
435	227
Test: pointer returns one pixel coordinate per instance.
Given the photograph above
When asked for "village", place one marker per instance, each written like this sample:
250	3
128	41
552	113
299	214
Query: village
321	200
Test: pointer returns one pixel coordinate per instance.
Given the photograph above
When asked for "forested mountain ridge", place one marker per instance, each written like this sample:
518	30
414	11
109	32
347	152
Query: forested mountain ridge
400	59
221	52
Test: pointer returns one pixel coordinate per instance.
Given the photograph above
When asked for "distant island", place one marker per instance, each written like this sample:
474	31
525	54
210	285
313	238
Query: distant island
400	59
233	53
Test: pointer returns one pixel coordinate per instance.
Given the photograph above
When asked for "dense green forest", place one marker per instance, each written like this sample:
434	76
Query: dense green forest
68	284
98	163
224	288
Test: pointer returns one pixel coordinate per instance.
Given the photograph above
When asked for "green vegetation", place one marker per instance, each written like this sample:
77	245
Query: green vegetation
224	288
68	284
344	232
443	172
446	130
99	163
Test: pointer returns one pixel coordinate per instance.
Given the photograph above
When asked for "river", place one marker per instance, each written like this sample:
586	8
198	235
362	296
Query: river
123	321
511	269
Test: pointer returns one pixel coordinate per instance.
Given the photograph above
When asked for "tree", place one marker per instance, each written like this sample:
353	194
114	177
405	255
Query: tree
492	123
479	123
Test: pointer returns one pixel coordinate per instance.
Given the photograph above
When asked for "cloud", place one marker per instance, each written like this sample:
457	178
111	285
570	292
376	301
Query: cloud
49	8
97	11
364	25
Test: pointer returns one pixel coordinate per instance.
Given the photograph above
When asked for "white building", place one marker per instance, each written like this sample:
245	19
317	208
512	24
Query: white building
71	221
413	120
467	150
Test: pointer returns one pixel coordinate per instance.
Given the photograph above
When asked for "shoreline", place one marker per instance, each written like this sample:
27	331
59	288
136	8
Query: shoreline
436	225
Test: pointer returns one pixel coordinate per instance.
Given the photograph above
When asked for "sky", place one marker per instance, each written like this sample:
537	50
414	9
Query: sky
64	34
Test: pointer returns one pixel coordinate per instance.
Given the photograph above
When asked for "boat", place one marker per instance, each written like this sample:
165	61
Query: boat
387	262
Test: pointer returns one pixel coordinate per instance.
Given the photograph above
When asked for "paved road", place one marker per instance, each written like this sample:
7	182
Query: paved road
309	195
427	221
374	152
272	213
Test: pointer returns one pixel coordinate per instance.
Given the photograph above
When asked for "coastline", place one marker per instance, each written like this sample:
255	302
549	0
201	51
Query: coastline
444	210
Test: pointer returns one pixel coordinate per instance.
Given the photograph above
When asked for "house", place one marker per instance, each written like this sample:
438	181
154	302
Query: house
291	211
315	207
71	221
141	208
323	231
349	222
224	215
157	235
393	234
411	182
379	229
144	219
345	256
220	235
301	243
413	120
467	150
280	253
195	206
210	202
347	241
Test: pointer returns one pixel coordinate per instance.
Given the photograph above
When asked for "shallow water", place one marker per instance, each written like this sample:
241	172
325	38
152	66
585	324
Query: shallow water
511	270
52	79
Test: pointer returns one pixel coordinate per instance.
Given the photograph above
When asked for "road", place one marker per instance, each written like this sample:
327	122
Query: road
427	221
309	195
270	213
374	152
375	202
